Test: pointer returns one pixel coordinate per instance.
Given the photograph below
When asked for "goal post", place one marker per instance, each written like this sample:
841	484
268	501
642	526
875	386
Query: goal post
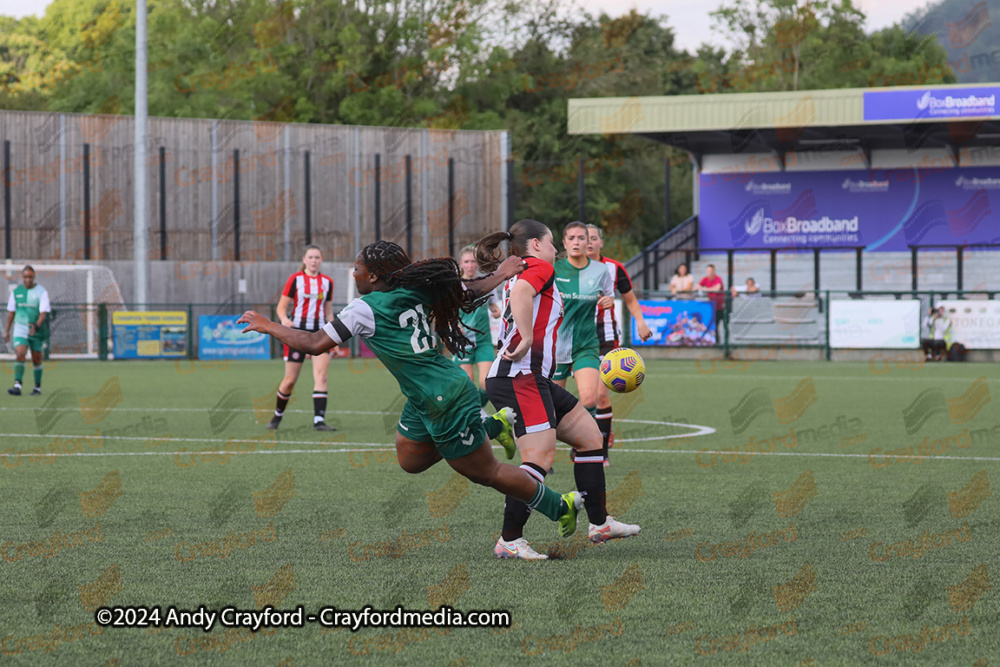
76	291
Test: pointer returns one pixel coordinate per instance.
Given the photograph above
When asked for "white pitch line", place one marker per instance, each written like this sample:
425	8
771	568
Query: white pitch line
276	451
852	378
824	454
387	449
173	439
702	430
208	410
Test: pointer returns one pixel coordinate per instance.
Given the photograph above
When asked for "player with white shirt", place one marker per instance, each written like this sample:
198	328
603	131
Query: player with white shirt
310	294
27	310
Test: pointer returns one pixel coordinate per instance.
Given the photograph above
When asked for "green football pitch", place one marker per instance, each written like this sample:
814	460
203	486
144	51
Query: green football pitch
791	513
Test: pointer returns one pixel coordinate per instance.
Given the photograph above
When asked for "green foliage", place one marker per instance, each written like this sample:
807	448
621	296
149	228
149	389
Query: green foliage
973	43
795	45
450	64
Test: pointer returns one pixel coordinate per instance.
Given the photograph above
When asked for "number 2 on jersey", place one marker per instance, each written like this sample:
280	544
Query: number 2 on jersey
421	338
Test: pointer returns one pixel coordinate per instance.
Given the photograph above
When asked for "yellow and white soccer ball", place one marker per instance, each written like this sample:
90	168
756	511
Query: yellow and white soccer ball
623	370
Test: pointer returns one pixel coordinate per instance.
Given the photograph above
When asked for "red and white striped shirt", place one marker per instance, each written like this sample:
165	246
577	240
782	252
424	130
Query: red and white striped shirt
309	294
607	327
546	315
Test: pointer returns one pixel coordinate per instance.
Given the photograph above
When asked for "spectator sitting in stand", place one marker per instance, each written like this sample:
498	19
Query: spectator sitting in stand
751	289
682	283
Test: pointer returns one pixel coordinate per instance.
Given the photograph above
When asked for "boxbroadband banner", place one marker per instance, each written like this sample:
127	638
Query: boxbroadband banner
974	324
875	324
880	209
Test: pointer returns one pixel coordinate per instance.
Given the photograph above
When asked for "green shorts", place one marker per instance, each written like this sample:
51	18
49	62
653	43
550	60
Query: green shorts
459	433
584	359
477	354
36	343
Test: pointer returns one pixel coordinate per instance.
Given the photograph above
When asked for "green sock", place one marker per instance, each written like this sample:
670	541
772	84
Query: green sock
592	411
484	398
548	502
18	372
38	375
493	427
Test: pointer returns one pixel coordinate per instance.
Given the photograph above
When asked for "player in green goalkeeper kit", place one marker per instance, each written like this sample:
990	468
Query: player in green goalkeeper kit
27	309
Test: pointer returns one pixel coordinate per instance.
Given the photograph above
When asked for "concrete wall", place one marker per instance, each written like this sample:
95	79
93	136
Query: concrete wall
218	282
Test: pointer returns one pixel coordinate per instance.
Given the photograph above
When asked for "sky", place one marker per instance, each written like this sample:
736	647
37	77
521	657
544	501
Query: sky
689	18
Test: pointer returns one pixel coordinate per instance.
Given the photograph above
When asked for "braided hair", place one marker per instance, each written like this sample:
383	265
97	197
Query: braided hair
440	278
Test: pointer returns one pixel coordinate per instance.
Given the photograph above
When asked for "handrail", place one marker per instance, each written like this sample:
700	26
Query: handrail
959	249
815	250
679	228
652	265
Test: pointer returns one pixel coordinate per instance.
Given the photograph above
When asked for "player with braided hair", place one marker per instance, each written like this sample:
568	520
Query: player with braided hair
400	301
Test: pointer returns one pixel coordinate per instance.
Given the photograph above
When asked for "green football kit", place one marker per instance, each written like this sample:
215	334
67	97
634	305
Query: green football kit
27	304
577	345
476	327
442	404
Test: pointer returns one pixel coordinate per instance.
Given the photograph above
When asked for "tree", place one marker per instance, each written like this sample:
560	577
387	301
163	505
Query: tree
798	45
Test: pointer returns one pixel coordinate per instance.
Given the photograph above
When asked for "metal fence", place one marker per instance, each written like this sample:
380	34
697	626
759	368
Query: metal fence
795	320
244	190
790	320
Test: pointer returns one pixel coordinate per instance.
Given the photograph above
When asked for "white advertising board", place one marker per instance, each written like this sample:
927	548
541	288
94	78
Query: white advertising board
859	324
974	324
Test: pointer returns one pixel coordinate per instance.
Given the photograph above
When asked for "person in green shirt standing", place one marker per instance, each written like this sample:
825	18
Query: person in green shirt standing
476	327
27	309
584	284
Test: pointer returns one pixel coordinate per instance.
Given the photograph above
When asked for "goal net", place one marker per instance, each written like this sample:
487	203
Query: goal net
76	291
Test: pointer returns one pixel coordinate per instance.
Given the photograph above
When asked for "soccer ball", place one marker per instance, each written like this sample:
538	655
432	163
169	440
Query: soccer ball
623	370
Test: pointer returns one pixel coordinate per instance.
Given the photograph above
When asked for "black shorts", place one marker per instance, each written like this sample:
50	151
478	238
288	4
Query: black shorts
607	346
293	355
540	403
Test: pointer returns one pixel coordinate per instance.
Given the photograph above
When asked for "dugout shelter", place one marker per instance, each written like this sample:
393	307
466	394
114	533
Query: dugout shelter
865	192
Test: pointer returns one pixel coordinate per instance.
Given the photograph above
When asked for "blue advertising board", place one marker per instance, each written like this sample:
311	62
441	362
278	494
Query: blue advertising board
879	209
924	104
149	335
677	324
220	337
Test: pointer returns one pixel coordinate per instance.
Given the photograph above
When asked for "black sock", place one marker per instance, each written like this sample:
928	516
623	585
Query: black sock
516	512
604	423
319	406
588	469
281	404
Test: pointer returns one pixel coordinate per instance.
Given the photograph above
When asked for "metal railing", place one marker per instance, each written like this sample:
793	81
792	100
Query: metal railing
773	266
801	300
67	336
959	259
656	257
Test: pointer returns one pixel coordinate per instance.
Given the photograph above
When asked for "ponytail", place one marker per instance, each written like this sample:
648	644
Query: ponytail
488	252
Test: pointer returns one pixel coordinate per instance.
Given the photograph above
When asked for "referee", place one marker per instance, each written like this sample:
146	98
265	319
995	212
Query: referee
26	311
